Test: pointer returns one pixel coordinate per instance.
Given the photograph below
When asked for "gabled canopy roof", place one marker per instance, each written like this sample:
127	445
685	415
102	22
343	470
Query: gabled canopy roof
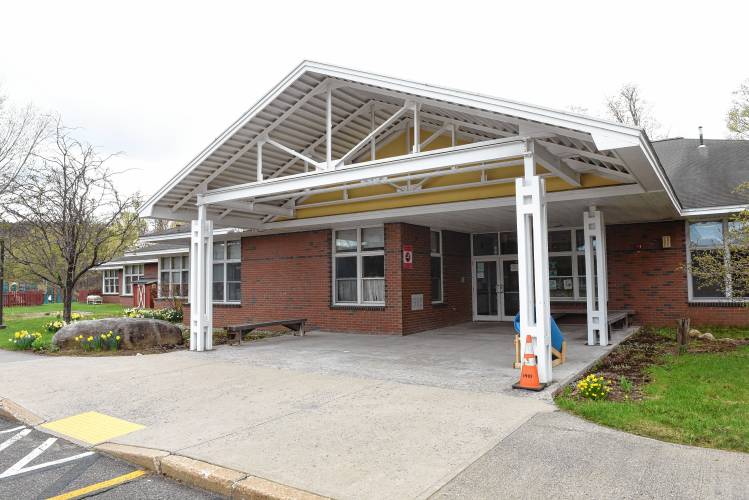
294	115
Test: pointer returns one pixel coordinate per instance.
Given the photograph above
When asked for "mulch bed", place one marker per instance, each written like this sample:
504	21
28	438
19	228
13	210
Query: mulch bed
646	348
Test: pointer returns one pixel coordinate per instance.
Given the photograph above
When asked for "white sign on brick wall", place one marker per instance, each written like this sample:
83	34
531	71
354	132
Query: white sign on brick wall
417	302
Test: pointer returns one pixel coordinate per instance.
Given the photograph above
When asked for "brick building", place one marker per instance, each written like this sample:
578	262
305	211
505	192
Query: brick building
376	205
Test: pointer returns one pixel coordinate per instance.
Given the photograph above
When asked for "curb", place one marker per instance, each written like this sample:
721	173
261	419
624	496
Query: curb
14	411
227	482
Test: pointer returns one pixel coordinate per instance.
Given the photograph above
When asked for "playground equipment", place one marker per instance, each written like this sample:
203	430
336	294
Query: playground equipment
558	344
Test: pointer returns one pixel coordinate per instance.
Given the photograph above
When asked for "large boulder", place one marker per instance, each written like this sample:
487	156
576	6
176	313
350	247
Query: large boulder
136	333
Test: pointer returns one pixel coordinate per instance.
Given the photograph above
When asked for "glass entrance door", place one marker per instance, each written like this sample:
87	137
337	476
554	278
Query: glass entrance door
486	290
510	289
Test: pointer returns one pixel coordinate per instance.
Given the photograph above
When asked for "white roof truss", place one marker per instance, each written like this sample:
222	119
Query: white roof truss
323	127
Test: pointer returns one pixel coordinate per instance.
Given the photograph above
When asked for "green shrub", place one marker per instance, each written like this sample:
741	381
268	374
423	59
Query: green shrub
41	344
625	384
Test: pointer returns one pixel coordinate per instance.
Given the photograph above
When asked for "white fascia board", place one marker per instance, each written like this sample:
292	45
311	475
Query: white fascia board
120	264
418	162
647	149
711	211
159	252
148	207
186	235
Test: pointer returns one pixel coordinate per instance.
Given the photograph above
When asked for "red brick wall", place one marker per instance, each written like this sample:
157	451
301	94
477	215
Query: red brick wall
456	268
651	280
290	275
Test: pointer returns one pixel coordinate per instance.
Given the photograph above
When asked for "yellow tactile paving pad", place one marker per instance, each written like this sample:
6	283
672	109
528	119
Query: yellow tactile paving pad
92	427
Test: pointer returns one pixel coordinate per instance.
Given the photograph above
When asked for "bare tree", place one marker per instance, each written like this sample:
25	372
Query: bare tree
68	217
21	133
628	107
738	116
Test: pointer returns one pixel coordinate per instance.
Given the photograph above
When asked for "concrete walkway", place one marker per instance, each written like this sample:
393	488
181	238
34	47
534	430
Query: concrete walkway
352	416
558	455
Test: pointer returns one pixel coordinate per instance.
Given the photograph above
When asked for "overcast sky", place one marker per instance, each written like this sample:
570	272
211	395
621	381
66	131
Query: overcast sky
158	81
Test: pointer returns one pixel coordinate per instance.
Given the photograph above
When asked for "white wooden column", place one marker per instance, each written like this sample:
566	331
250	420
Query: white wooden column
596	276
533	265
201	283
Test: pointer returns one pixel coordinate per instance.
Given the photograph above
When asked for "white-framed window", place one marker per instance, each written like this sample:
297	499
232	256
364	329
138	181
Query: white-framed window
703	237
131	273
227	271
111	282
174	276
359	266
436	266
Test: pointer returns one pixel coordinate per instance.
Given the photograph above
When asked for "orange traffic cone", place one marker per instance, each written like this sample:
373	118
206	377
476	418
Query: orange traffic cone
529	370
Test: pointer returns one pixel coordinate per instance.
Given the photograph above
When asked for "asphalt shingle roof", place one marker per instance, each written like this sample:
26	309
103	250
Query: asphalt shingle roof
706	177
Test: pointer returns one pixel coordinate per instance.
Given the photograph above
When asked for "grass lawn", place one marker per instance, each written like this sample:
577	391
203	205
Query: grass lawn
33	318
700	398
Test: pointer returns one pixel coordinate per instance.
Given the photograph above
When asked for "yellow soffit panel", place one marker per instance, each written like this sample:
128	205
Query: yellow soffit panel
443	196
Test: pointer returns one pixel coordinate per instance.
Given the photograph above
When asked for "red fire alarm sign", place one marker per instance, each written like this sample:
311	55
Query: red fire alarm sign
408	256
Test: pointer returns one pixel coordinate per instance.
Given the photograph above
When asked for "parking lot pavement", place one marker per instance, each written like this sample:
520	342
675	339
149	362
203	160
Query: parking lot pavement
34	464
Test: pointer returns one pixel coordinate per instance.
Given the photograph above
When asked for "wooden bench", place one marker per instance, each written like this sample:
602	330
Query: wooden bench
614	316
234	333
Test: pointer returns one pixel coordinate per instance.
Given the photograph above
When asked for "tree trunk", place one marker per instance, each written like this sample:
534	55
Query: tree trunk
682	335
67	301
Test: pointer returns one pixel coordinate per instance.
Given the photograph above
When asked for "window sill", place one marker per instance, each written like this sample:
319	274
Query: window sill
111	294
718	303
371	307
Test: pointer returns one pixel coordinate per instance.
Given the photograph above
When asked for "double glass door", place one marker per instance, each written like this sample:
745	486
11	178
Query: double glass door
495	285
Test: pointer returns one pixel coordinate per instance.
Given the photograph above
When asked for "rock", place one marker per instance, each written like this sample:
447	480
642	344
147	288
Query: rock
706	336
136	333
694	333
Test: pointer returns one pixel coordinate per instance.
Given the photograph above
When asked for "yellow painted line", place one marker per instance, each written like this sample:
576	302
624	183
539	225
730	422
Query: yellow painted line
92	427
100	486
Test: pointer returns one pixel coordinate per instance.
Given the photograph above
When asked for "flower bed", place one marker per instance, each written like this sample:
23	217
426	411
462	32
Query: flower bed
173	315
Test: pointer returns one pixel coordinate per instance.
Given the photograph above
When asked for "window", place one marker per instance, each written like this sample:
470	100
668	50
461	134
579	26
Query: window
174	276
436	264
709	237
130	274
111	285
227	271
359	266
485	244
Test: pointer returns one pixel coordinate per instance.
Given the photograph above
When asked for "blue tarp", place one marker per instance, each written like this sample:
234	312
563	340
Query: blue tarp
556	334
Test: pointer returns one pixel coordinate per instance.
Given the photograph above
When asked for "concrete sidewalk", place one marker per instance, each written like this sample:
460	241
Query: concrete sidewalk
337	436
562	456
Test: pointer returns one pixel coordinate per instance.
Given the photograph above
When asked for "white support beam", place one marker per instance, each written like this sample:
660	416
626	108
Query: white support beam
295	153
189	215
598	170
373	145
309	149
417	128
533	267
383	126
596	276
236	156
435	135
258	208
260	161
431	160
201	283
555	165
329	127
